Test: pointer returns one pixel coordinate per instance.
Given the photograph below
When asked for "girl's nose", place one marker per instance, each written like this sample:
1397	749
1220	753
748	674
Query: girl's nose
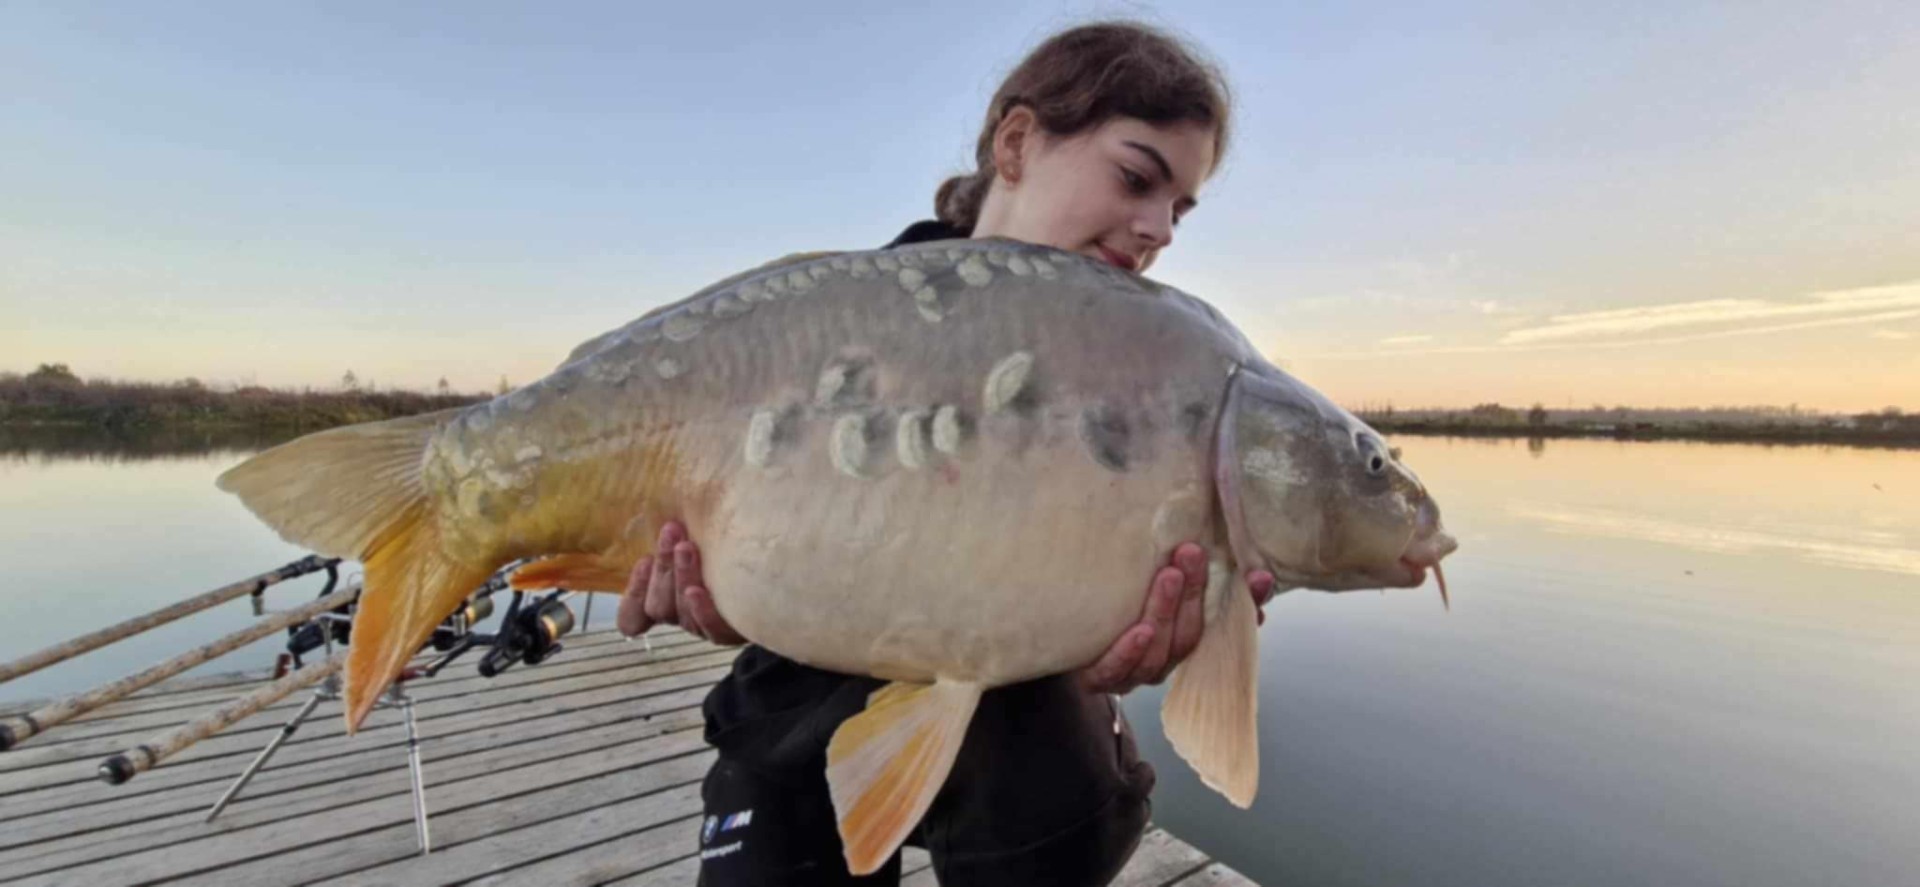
1155	226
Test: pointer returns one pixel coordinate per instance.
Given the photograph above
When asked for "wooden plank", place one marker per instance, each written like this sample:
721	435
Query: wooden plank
1160	859
151	752
187	683
679	873
458	679
594	645
20	728
500	813
594	847
462	682
611	860
249	736
563	711
588	847
309	790
318	799
363	834
1216	875
187	691
428	696
279	793
519	788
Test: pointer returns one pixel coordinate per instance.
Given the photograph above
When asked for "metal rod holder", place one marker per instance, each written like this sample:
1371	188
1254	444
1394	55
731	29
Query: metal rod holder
396	697
260	760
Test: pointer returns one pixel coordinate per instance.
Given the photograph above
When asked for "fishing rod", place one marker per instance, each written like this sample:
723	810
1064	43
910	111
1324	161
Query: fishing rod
530	630
253	585
19	728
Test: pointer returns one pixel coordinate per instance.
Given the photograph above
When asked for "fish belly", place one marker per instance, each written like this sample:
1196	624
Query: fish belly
965	460
993	571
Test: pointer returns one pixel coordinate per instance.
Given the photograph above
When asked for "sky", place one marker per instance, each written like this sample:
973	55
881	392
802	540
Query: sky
1425	204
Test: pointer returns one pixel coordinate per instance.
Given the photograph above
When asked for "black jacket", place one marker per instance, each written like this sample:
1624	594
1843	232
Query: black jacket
1047	788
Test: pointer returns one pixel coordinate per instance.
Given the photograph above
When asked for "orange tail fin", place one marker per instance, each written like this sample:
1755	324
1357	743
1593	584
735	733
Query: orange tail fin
356	492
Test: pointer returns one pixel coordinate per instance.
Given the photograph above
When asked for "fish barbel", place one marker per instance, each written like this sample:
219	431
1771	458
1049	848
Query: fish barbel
948	465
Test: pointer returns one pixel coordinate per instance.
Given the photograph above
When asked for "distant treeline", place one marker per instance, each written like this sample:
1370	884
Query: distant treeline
1888	427
53	396
71	441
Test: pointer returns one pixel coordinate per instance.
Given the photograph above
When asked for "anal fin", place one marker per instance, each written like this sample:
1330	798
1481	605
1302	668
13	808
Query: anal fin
885	765
1211	710
574	572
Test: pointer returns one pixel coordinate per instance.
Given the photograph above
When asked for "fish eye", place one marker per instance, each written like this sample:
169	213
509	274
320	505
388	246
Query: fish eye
1376	452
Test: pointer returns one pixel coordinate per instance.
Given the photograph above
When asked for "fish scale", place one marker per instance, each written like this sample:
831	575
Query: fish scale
951	466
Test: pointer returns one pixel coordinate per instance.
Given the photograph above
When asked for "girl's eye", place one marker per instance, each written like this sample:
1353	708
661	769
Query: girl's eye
1136	182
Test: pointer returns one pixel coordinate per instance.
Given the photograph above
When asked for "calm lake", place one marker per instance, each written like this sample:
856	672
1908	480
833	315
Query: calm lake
1667	663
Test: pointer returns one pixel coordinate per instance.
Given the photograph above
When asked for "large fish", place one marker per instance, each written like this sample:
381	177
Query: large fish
950	465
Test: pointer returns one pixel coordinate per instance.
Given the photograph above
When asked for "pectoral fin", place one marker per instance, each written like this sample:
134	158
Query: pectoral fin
885	765
574	572
1210	713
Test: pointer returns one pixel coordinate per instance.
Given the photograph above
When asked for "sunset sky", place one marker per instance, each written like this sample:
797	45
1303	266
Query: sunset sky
1644	203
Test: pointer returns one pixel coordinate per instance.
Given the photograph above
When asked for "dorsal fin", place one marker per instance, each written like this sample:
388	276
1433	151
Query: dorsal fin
592	346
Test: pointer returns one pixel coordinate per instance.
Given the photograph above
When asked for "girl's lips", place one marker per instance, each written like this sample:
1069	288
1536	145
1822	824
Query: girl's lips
1118	260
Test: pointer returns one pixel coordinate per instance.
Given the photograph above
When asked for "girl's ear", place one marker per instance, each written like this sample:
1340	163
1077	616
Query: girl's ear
1013	139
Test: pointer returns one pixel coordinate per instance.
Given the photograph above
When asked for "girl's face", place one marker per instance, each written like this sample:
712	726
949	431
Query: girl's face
1115	192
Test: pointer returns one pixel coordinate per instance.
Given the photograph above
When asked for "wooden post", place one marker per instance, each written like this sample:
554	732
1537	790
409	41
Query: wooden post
60	652
15	730
143	757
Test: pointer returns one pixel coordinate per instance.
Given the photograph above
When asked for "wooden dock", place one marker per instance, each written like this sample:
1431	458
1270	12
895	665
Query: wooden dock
582	770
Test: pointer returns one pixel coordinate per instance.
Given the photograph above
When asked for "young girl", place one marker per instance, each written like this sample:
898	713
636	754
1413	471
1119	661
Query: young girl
1097	143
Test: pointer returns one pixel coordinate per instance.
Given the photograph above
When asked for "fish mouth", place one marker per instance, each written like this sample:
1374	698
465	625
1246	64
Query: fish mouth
1427	551
1402	573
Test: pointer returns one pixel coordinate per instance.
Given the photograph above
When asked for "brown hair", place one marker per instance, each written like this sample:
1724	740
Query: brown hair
1081	77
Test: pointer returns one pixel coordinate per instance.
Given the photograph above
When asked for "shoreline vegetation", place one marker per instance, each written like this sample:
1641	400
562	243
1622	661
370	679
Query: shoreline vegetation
53	406
1890	428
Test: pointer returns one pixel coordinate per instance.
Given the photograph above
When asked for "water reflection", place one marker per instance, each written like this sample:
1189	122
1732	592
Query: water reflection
105	532
45	444
1666	662
1859	548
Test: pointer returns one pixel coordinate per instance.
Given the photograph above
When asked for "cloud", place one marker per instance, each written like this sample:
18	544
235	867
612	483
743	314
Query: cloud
1405	340
1890	334
1733	316
1887	316
1871	305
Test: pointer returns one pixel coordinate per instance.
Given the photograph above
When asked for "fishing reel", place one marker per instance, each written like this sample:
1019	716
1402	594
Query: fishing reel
529	632
332	627
454	631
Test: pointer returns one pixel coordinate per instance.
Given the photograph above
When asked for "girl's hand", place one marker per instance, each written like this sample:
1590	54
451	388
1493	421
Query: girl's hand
667	589
1169	626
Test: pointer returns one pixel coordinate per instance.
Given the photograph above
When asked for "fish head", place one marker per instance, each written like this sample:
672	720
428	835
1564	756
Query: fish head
1322	501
